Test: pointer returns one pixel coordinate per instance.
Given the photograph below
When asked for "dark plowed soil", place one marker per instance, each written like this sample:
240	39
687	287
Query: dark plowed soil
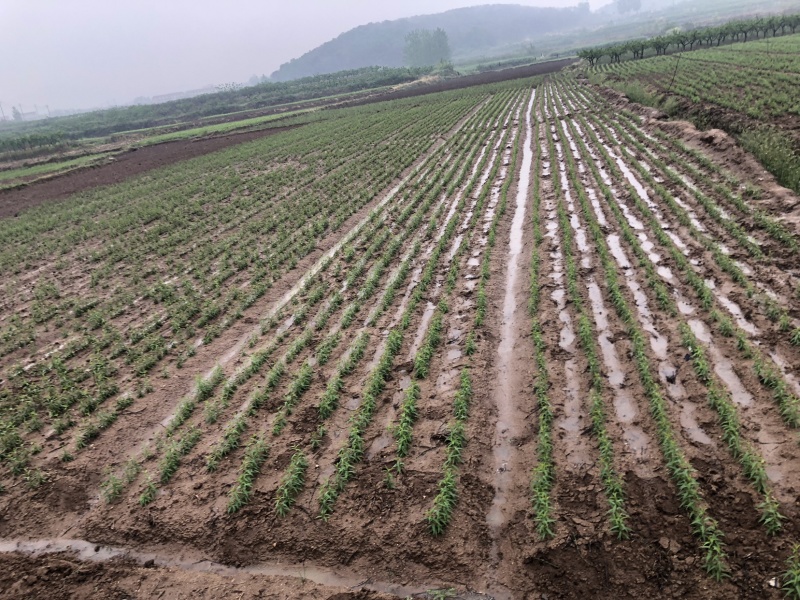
128	164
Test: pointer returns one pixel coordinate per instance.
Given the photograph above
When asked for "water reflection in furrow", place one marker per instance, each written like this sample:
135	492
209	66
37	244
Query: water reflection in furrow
625	406
506	396
658	342
781	363
722	366
580	233
571	422
769	441
731	306
340	576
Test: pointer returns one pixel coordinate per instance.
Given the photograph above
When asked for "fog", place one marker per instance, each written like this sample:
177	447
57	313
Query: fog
92	53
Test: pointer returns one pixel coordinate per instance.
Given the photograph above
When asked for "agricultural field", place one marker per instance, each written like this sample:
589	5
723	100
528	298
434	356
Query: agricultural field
758	79
747	89
511	341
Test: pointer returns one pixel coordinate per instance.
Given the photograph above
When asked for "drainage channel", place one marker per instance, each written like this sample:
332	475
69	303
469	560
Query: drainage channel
333	577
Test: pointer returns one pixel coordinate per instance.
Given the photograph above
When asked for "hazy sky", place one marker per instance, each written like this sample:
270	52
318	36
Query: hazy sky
82	53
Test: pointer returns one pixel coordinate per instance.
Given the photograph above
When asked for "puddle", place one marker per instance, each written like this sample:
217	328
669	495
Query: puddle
624	404
616	250
453	354
284	327
736	313
447	381
665	273
573	422
684	307
570	423
692	215
691	427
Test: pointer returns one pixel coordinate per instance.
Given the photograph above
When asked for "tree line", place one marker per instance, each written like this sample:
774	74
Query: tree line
32	140
682	40
426	48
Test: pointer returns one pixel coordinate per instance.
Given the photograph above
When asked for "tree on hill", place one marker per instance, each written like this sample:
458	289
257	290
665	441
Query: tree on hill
425	47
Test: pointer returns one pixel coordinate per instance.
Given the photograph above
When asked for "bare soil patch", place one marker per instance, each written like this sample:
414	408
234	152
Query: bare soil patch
123	166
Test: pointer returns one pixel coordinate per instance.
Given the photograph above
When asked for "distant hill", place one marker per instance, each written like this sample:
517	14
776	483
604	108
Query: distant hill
474	31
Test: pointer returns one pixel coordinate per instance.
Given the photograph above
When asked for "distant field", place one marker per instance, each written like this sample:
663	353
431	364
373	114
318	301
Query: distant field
749	89
759	79
219	128
25	173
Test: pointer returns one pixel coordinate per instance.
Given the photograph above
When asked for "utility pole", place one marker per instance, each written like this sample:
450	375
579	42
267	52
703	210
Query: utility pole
2	112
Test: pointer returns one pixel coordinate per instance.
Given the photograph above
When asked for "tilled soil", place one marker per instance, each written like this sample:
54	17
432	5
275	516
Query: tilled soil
377	540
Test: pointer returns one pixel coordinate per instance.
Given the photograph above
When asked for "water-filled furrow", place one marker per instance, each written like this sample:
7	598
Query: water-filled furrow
506	395
625	406
340	577
732	307
658	342
571	421
769	441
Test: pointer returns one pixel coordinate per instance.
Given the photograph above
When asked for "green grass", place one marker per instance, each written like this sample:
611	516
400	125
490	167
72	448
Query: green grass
197	132
49	168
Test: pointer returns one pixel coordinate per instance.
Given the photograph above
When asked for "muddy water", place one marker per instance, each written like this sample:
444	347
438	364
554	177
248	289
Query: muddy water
726	302
580	233
571	422
632	220
781	363
769	439
509	413
687	181
624	403
338	577
735	311
427	315
625	407
598	211
731	306
429	250
722	366
658	343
